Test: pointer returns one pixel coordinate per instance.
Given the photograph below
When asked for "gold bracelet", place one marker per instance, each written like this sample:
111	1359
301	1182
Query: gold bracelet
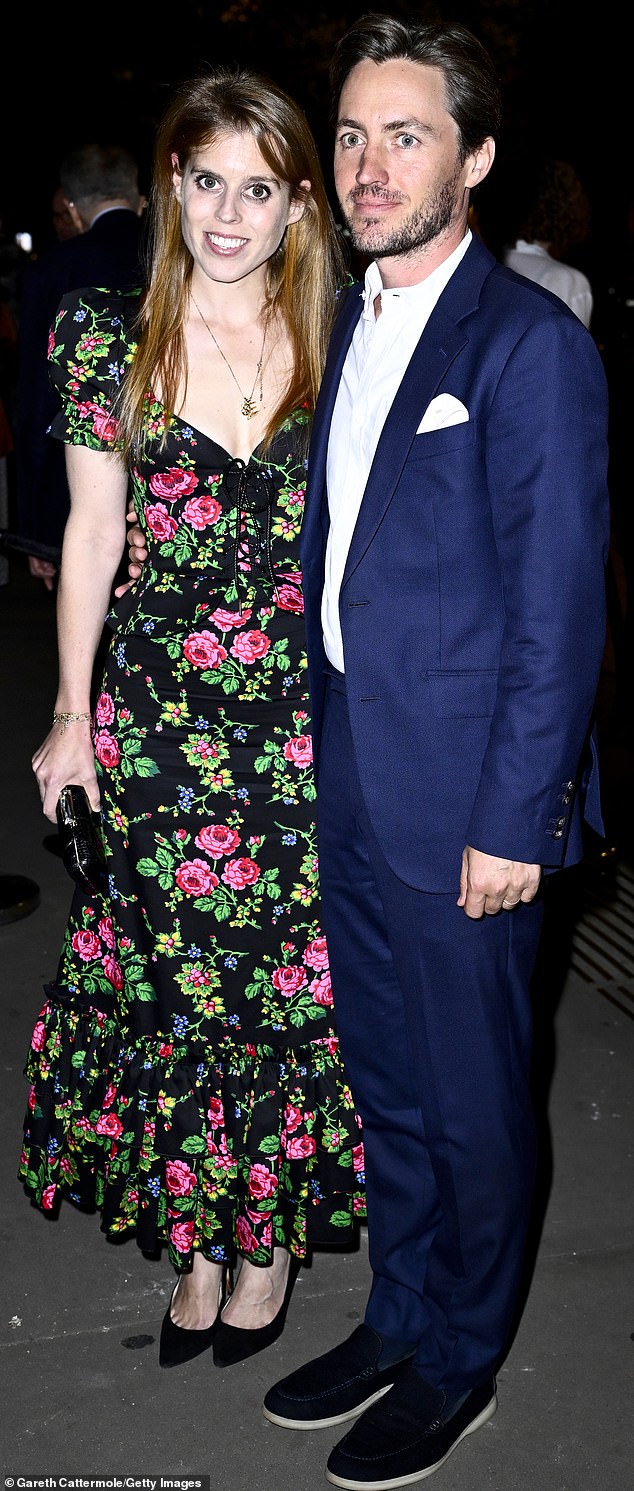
67	717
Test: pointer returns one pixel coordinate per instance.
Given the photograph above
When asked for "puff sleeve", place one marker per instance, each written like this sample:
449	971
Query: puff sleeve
90	345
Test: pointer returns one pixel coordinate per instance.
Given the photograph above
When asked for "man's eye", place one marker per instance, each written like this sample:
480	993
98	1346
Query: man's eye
407	140
349	140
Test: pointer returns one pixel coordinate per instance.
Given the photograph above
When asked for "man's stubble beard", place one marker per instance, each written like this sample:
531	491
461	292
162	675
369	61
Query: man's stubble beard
425	224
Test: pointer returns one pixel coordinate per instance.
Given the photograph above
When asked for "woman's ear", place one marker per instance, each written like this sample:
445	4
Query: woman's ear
298	204
177	176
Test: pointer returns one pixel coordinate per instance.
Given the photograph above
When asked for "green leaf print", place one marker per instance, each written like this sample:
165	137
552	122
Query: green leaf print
146	992
146	767
194	1145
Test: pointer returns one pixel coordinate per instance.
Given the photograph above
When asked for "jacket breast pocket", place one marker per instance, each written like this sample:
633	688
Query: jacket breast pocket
463	694
441	442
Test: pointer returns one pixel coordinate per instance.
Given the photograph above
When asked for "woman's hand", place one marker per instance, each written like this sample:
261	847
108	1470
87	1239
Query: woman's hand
137	552
65	757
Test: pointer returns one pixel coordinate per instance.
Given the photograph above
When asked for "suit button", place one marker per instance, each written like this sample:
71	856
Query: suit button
558	833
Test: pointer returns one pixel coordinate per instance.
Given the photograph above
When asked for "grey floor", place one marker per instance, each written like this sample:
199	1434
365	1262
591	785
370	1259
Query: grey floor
81	1392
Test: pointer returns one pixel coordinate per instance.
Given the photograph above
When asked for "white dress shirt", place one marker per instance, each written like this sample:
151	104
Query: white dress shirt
535	263
379	353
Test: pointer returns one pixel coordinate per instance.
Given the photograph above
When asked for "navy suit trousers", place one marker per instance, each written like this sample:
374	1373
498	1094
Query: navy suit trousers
433	1010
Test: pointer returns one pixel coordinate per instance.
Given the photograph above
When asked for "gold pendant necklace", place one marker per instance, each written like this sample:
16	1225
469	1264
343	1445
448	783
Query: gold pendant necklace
249	406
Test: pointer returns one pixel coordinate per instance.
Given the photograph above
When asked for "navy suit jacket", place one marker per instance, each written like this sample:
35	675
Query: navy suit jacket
109	255
473	600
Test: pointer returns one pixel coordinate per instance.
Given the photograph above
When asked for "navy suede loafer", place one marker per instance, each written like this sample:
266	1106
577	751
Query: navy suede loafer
408	1435
336	1386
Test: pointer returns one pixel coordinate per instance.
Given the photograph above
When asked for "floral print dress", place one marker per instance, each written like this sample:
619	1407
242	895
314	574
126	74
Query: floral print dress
185	1068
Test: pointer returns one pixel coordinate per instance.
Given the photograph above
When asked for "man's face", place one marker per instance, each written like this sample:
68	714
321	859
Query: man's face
398	174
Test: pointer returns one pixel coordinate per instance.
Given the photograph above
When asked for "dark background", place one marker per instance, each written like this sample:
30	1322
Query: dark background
75	72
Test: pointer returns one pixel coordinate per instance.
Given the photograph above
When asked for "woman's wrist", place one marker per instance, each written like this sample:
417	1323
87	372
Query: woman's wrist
66	717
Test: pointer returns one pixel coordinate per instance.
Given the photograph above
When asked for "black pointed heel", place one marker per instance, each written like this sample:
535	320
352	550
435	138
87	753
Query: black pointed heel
177	1345
231	1344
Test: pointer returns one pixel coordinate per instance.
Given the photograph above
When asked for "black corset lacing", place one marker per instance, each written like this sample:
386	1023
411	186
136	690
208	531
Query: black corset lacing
253	491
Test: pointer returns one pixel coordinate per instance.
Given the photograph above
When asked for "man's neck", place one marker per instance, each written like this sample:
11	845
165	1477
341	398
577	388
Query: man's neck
398	271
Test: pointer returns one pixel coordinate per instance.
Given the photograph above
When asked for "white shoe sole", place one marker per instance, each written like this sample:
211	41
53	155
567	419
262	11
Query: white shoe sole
327	1423
418	1475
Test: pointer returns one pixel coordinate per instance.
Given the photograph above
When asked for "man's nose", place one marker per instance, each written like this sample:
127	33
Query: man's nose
372	166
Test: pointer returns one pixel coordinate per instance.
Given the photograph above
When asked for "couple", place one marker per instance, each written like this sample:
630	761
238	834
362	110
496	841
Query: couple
452	563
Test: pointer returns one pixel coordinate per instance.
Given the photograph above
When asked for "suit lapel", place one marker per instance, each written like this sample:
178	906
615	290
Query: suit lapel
315	522
442	339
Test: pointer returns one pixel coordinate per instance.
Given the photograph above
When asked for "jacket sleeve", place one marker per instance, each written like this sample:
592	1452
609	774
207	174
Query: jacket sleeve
547	455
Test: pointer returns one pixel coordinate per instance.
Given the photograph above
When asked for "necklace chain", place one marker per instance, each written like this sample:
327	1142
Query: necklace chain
249	406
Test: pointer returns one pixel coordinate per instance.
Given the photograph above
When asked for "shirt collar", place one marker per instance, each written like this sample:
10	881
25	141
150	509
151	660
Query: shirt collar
425	292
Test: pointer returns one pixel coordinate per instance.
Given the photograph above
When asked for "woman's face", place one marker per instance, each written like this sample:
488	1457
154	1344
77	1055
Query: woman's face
234	209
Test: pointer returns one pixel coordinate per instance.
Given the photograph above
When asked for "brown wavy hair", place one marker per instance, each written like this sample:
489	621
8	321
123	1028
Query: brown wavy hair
304	274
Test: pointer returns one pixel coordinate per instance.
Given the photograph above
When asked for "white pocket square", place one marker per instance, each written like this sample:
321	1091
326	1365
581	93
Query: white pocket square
443	410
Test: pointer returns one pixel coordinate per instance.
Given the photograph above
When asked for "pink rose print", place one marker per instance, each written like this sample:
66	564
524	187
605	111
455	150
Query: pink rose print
247	1243
289	598
240	872
51	342
104	426
321	989
86	945
31	1100
215	1113
181	1235
226	619
202	512
292	1117
173	483
203	650
104	712
110	1094
289	980
106	931
48	1197
179	1179
358	1157
300	1147
249	646
106	749
109	1124
299	750
316	955
113	971
217	839
195	877
261	1182
38	1037
161	524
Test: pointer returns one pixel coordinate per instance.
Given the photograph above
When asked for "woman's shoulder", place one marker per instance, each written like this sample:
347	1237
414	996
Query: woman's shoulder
115	310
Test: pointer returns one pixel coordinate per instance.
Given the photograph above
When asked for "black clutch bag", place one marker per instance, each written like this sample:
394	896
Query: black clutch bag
80	838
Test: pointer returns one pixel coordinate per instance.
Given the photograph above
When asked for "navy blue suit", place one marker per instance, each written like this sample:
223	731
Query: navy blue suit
108	254
473	617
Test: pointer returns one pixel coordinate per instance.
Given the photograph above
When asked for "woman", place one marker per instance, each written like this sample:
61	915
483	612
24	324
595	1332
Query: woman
186	1070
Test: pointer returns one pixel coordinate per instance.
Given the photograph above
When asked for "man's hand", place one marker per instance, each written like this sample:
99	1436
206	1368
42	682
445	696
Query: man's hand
43	569
137	552
489	885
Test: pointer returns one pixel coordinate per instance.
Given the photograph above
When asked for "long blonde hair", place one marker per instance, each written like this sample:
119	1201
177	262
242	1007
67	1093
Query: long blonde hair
303	275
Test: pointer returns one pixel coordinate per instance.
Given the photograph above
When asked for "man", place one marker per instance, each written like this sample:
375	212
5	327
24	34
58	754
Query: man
454	545
100	189
556	220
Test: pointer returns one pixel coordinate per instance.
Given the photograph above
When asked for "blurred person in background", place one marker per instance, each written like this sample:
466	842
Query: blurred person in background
100	198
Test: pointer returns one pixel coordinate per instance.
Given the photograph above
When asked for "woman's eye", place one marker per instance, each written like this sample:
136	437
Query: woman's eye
259	191
206	181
